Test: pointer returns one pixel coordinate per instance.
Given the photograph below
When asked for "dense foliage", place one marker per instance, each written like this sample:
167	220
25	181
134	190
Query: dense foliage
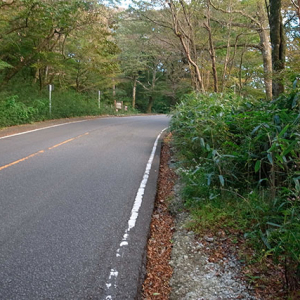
242	158
149	54
63	43
14	111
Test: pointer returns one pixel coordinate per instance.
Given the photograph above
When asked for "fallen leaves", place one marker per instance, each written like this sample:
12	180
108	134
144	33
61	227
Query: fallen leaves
159	272
266	278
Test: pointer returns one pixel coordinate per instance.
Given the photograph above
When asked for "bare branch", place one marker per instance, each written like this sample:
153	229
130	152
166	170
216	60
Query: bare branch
256	46
156	22
295	4
6	3
146	88
240	12
236	24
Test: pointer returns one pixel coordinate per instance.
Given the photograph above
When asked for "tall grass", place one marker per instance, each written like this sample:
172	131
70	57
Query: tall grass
240	162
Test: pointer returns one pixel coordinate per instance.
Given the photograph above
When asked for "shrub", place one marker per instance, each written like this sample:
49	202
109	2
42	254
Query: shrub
233	148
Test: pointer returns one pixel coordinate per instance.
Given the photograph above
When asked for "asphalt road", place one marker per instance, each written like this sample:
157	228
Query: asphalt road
70	222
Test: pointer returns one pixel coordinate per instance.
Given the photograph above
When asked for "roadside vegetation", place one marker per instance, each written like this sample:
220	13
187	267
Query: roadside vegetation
239	160
23	109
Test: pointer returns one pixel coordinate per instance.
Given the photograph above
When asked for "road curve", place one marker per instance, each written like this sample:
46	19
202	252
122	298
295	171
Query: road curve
71	224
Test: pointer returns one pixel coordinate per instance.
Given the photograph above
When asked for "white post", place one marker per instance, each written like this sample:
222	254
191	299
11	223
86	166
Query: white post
50	104
99	95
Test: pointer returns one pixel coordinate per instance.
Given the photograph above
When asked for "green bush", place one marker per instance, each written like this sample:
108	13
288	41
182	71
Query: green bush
13	112
247	150
29	106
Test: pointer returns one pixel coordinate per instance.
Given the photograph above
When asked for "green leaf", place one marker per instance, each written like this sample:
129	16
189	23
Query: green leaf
274	145
221	178
289	148
295	83
297	184
209	179
4	65
265	240
279	157
295	100
270	158
202	143
257	166
283	131
255	129
260	181
273	224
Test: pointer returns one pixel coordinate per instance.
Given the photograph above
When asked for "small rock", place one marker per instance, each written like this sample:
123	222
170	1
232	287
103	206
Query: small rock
209	239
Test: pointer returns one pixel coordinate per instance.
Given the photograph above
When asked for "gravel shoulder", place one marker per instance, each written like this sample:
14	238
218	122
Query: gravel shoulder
196	275
181	265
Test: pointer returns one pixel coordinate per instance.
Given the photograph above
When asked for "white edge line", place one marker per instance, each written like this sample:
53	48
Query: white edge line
29	131
140	193
134	212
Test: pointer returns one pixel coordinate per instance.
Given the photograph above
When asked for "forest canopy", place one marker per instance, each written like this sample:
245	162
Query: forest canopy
153	52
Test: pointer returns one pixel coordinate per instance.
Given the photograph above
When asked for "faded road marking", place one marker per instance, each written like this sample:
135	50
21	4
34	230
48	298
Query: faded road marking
38	129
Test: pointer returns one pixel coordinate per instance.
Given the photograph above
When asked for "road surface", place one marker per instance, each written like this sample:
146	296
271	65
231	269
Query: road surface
72	224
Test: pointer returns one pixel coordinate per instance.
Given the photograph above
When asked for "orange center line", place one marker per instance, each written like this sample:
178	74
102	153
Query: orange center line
39	152
20	160
57	145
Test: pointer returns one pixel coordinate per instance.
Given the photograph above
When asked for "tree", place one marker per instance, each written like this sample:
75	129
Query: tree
149	65
258	23
278	45
69	42
134	57
185	31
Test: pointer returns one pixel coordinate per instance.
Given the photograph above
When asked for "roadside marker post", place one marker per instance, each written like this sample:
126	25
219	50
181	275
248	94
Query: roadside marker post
99	95
51	88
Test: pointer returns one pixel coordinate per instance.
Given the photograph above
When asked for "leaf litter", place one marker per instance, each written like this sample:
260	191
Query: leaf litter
183	265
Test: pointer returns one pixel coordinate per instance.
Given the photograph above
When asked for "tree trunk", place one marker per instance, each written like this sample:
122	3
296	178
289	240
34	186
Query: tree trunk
40	79
151	99
260	26
187	41
266	49
193	64
278	46
212	52
240	71
150	104
267	62
226	57
114	89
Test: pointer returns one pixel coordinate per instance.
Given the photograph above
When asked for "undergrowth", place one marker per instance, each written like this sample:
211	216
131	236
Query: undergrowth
239	160
27	106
